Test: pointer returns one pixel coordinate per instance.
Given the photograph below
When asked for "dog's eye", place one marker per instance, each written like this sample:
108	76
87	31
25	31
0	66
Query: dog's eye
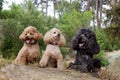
86	35
90	36
31	33
54	32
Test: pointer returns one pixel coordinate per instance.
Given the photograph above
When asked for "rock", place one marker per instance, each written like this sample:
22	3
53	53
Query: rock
114	68
3	76
112	72
22	72
111	56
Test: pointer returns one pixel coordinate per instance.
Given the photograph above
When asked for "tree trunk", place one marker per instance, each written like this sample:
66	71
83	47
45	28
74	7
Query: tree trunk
113	3
97	18
80	5
54	3
64	8
101	1
88	5
70	1
46	7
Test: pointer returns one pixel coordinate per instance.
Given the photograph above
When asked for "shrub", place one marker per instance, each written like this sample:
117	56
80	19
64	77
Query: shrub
101	56
72	21
10	30
12	26
105	43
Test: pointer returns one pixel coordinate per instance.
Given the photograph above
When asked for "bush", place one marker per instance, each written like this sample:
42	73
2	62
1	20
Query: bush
101	56
10	43
12	26
72	21
105	43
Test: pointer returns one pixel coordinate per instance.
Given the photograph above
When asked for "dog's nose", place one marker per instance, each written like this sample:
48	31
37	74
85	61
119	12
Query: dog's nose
26	37
82	35
58	34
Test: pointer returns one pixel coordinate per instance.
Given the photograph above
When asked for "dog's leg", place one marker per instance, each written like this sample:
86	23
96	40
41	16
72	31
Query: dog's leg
20	60
97	64
52	63
43	62
21	57
60	64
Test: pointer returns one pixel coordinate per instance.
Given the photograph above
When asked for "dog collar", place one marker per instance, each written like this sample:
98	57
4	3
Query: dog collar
53	43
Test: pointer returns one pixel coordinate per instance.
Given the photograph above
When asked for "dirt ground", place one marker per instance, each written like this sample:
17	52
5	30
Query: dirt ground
33	72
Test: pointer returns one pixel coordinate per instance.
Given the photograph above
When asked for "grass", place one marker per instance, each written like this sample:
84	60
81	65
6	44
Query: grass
5	62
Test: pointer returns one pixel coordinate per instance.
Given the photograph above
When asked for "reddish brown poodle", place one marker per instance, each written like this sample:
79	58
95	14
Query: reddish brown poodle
30	50
52	56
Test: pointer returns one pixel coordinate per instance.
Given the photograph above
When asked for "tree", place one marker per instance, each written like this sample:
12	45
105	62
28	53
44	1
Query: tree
1	3
88	5
113	18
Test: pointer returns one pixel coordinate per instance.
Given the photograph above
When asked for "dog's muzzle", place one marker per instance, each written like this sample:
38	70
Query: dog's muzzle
82	41
30	41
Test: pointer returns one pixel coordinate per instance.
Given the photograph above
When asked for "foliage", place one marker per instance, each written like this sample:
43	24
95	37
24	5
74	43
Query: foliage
113	15
13	23
1	3
102	39
63	7
113	18
101	56
10	31
71	22
113	31
107	40
113	34
107	43
104	45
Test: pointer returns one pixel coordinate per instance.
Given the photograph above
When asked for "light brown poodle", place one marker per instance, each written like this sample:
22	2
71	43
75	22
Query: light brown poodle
30	50
52	56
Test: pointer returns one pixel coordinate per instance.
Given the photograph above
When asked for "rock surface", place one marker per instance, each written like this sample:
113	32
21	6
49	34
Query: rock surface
22	72
3	76
114	69
111	56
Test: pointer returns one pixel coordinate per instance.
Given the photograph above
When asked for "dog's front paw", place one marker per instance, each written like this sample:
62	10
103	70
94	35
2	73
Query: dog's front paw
70	66
42	65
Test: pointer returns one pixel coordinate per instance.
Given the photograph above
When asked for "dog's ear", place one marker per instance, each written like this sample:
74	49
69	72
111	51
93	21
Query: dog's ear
61	41
22	36
38	35
47	38
74	43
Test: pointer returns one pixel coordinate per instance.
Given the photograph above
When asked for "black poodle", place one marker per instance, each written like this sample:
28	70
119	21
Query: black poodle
86	45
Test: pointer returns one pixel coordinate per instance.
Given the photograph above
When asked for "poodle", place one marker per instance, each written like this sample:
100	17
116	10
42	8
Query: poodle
30	50
86	45
52	56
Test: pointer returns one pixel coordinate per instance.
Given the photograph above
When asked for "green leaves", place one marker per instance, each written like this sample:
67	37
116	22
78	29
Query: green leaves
72	21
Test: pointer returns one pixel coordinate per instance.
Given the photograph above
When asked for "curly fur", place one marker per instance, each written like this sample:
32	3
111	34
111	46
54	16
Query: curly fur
86	45
52	56
30	50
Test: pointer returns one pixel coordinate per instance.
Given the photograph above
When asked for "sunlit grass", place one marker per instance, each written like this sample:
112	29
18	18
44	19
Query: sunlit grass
5	62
